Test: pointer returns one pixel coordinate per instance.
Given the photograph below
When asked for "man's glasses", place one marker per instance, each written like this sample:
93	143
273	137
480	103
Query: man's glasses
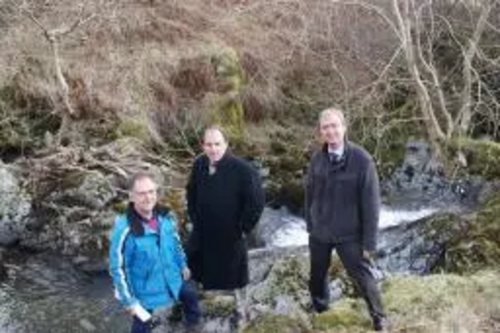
145	193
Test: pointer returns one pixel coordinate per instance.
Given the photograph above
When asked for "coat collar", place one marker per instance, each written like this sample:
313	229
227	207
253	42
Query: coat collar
225	158
136	221
344	159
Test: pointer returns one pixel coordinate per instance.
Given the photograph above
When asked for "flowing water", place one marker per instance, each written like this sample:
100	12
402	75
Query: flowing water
46	294
278	228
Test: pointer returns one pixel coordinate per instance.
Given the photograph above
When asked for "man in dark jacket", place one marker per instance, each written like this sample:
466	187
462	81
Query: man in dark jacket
225	201
342	211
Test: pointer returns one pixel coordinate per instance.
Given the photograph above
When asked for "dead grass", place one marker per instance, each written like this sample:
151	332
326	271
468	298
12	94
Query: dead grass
154	57
135	42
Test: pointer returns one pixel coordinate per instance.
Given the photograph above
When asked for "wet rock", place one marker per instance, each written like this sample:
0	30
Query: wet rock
418	246
89	189
459	241
420	180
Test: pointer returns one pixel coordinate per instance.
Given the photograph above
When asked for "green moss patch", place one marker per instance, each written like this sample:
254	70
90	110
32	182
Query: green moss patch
483	157
346	315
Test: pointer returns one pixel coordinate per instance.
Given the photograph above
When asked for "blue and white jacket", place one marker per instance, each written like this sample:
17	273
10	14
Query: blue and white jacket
146	265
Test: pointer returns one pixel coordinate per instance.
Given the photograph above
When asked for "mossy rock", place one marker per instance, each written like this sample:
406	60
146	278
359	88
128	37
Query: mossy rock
218	305
337	271
347	315
434	303
478	246
276	323
483	157
431	303
288	276
226	107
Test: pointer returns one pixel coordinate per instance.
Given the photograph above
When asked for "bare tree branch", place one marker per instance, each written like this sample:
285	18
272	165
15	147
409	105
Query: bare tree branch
404	24
465	114
34	19
433	72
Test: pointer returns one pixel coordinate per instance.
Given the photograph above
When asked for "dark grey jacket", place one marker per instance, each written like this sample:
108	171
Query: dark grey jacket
343	197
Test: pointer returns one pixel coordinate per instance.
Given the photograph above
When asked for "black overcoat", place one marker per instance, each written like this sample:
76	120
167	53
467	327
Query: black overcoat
223	207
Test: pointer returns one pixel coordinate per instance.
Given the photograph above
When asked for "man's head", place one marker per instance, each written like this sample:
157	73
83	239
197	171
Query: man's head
332	127
143	193
214	143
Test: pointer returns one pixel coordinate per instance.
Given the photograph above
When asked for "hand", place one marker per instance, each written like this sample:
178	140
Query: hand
129	310
186	274
368	255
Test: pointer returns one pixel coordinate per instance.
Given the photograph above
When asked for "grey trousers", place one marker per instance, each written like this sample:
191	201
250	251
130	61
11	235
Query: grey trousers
358	268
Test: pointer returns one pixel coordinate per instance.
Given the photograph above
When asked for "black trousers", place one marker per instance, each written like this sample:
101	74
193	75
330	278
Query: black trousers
190	307
358	268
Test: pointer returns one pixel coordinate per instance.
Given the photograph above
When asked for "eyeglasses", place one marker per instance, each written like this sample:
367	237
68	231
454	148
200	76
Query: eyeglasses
145	193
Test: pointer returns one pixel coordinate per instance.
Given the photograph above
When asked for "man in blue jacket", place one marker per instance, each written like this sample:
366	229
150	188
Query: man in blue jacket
147	263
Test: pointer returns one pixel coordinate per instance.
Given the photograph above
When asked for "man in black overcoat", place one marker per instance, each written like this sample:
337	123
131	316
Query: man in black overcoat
225	201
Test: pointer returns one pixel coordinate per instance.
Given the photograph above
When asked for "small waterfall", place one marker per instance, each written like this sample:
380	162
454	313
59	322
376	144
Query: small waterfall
279	228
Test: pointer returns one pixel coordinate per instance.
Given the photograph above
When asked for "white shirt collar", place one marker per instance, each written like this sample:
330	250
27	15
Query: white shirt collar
338	151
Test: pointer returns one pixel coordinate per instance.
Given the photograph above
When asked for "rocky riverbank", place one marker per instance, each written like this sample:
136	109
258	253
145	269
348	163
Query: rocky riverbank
63	202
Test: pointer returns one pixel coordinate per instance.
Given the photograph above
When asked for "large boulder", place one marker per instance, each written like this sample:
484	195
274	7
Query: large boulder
75	218
477	243
417	247
15	207
89	189
421	180
76	194
460	241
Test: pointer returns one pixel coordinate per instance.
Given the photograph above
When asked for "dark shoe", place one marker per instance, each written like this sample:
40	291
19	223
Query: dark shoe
380	324
154	323
318	307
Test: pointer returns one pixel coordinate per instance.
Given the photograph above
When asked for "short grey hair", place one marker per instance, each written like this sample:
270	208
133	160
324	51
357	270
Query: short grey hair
336	111
140	175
